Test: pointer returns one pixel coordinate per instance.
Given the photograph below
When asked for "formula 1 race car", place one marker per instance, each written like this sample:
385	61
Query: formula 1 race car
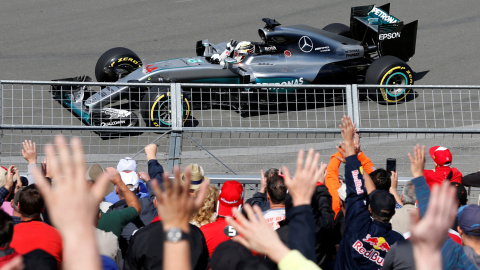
372	50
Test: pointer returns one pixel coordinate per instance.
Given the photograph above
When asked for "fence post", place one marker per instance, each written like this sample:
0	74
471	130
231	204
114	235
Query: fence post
177	126
355	101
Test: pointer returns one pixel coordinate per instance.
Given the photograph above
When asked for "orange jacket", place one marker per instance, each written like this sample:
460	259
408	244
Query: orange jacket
331	179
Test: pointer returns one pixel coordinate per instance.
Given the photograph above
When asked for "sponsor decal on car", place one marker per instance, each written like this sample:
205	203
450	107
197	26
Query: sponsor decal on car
287	53
384	16
113	123
305	44
323	49
115	113
352	53
270	48
298	81
149	68
389	36
195	61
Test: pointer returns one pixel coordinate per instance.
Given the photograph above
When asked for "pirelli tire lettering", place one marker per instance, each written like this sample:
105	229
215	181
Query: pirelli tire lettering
125	59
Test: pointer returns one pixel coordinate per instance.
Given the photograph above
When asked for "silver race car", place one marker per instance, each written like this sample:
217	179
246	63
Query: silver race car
374	49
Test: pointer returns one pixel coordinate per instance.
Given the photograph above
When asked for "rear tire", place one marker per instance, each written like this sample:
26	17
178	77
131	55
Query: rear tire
389	70
339	29
155	108
116	63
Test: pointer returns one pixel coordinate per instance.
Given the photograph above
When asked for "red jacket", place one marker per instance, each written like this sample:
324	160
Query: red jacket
35	234
439	174
214	234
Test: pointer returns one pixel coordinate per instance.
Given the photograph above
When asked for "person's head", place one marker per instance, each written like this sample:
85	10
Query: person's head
30	202
197	176
276	189
441	156
208	208
270	172
6	229
408	195
242	50
11	194
130	178
468	218
3	176
231	195
381	179
127	164
16	198
381	205
95	170
462	195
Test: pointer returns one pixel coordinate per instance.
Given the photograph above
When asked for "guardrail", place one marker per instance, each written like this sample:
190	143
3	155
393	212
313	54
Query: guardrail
231	139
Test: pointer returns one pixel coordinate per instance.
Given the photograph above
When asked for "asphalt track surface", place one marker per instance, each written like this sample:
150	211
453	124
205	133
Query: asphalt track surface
50	39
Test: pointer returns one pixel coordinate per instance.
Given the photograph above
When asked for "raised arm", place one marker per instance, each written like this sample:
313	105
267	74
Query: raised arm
29	153
175	206
72	205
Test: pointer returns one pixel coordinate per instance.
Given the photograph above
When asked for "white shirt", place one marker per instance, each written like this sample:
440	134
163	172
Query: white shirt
273	216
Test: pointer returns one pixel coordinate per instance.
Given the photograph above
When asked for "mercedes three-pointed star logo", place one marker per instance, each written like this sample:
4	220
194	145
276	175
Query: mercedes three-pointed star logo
305	44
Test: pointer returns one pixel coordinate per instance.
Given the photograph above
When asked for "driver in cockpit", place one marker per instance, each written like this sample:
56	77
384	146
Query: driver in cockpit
240	50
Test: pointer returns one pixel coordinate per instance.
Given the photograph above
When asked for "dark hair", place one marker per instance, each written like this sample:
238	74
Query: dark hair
31	202
381	179
6	229
276	189
382	219
270	172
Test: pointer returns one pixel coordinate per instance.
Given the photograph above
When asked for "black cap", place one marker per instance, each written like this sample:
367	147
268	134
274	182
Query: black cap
382	203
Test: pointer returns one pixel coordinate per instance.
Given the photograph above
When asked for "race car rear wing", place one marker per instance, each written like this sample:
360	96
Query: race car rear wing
374	26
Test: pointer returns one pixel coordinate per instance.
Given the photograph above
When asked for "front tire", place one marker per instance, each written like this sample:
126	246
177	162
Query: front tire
116	63
156	108
389	70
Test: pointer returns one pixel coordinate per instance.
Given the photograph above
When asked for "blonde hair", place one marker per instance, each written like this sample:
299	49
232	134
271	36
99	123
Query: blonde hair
206	214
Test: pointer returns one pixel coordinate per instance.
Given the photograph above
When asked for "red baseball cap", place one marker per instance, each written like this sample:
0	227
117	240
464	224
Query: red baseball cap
231	195
441	155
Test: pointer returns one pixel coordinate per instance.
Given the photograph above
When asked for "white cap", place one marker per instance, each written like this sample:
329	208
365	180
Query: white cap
127	164
130	178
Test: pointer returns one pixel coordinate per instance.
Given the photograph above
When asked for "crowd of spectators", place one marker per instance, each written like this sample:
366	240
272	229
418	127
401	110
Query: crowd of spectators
63	214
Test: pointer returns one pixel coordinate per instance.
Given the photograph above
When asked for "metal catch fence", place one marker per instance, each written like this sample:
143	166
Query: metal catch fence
234	131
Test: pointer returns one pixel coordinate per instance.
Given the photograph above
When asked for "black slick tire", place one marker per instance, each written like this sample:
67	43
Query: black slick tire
389	70
115	63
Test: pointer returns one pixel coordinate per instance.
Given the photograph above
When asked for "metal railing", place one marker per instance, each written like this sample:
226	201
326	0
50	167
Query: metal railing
237	130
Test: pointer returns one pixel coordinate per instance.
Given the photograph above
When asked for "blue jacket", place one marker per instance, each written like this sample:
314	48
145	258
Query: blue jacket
366	241
453	256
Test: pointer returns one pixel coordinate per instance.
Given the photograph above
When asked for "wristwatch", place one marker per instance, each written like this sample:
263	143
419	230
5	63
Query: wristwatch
175	235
